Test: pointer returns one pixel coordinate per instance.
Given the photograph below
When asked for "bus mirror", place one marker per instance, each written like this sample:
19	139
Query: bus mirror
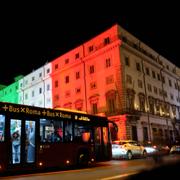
115	127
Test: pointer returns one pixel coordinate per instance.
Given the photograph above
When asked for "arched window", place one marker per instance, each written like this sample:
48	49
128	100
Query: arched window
142	102
79	104
94	103
130	96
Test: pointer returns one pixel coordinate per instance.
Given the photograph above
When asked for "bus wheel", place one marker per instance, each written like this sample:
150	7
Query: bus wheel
82	159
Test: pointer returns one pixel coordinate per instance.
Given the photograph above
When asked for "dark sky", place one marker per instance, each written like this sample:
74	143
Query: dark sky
32	34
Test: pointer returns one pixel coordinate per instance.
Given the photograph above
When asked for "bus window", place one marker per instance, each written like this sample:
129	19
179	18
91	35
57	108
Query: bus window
82	132
30	141
97	135
15	129
105	135
68	131
2	126
51	130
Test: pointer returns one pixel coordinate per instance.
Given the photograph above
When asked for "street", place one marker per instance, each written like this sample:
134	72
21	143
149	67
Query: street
114	169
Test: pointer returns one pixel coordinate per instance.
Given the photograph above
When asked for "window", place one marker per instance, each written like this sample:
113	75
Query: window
76	55
172	97
33	78
93	85
151	104
108	62
165	94
51	131
40	74
48	87
56	83
130	97
145	134
127	61
48	100
91	48
155	90
68	131
110	79
48	71
77	75
94	108
142	102
140	84
138	67
67	79
82	132
153	74
106	41
111	101
32	93
149	87
66	61
78	90
147	71
56	66
67	94
26	96
134	133
56	97
163	79
128	79
170	83
2	127
111	105
40	90
158	76
160	92
91	69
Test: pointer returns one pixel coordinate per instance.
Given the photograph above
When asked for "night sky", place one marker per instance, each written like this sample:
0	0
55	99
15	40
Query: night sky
33	34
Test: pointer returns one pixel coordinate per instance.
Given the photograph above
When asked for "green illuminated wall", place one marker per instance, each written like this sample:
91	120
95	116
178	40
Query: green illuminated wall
10	93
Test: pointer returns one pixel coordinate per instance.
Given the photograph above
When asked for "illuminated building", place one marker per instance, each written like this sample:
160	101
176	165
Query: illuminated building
113	74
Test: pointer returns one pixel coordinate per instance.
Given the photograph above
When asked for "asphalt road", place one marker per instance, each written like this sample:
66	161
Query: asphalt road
115	169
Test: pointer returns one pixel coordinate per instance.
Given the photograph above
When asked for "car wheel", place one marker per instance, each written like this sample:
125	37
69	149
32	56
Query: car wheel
129	155
144	154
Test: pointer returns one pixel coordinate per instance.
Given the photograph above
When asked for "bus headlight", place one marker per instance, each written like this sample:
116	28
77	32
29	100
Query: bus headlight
40	163
67	162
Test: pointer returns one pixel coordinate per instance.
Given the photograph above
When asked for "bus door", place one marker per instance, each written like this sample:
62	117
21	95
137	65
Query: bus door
102	144
22	142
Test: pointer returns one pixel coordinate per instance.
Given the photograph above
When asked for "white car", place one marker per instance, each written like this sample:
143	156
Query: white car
175	149
127	149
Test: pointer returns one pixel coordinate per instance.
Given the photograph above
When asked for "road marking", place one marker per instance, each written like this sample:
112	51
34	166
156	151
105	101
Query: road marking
119	176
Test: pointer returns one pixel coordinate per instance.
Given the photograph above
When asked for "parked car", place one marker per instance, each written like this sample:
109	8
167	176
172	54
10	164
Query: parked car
127	149
150	149
156	149
175	149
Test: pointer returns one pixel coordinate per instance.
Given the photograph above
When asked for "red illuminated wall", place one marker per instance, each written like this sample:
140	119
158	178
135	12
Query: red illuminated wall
80	93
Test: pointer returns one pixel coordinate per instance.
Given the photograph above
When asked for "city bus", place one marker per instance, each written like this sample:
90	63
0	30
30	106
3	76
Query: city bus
39	138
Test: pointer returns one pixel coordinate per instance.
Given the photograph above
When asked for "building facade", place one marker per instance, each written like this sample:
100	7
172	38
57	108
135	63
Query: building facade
113	74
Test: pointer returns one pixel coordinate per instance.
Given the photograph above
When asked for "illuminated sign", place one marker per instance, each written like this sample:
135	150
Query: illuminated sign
34	111
82	118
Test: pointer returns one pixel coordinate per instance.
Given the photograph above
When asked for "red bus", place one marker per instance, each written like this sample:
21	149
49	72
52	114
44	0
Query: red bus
33	138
